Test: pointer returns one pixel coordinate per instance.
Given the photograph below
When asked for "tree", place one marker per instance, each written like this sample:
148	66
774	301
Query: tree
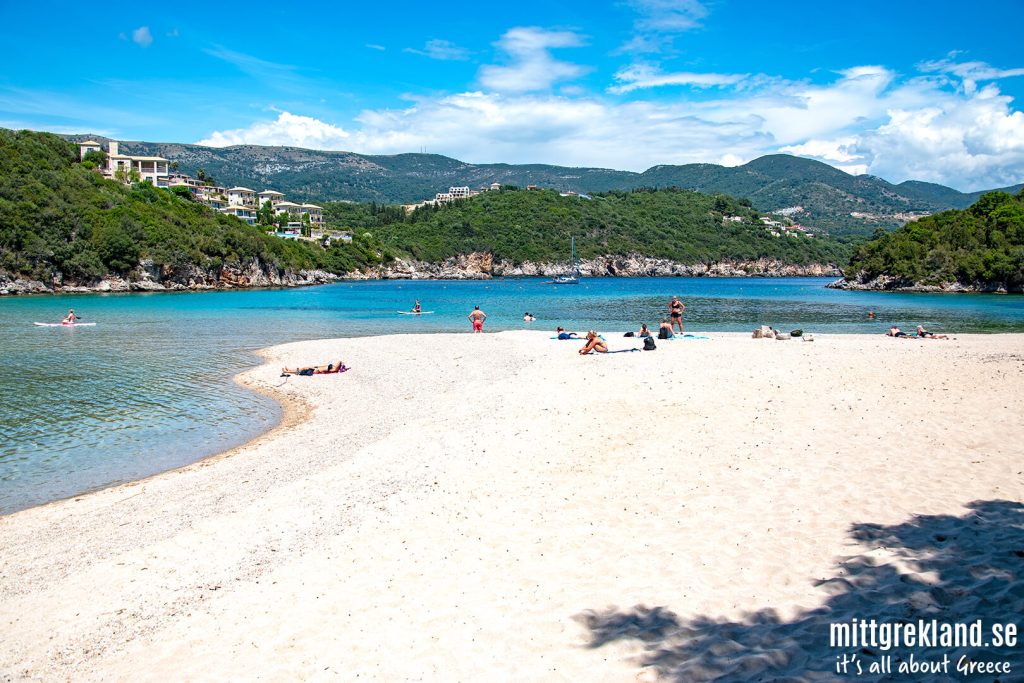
96	156
202	177
265	216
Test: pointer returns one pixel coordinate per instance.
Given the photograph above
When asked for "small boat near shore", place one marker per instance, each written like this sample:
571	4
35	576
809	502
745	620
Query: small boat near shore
572	279
65	324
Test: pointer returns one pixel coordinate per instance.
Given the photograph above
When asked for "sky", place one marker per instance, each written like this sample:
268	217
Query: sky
901	90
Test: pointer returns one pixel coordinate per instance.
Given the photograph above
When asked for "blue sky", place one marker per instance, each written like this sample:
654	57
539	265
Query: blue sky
909	90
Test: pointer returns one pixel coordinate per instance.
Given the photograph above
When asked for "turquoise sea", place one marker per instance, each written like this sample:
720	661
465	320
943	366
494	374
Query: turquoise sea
149	387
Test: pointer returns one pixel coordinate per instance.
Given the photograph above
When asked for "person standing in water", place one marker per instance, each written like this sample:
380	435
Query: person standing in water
477	317
675	309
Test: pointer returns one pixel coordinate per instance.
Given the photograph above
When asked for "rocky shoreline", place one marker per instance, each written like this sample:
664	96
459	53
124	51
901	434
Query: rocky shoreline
482	266
475	266
149	278
888	283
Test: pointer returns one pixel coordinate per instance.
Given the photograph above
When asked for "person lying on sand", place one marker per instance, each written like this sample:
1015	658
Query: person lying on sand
925	334
329	369
594	343
562	334
896	332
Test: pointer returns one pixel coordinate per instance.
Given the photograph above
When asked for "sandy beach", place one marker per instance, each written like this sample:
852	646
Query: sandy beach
498	508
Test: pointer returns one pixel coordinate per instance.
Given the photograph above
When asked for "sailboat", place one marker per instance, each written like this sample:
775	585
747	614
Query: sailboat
573	279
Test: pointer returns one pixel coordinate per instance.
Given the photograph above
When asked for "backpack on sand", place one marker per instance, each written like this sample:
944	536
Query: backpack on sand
649	344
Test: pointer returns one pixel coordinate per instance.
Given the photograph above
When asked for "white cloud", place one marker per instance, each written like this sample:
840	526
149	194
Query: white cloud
866	119
375	46
531	66
640	76
287	130
142	37
441	50
659	21
669	16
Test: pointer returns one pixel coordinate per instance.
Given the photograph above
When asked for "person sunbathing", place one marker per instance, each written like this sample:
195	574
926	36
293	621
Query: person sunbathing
329	369
644	332
665	329
563	335
925	334
594	343
897	332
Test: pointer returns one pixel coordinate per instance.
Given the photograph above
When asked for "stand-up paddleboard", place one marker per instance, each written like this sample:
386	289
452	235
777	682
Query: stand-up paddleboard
415	312
65	324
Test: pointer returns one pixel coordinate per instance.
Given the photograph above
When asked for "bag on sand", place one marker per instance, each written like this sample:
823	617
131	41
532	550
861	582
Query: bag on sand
649	344
628	334
796	333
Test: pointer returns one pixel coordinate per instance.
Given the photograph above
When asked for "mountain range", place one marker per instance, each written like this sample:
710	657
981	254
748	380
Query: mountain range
828	198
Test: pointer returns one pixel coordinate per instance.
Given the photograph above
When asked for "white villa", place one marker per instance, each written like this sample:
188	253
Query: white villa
242	196
153	169
270	195
295	211
245	213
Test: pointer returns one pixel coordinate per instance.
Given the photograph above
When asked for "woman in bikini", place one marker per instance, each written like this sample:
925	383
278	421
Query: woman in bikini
675	309
329	369
594	343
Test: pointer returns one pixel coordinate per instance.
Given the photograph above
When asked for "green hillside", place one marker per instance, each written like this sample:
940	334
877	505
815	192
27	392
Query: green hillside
536	225
980	247
828	196
58	218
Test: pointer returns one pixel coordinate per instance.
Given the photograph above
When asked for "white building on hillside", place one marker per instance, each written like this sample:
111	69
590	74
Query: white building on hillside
246	213
88	146
458	192
316	214
242	196
153	169
273	196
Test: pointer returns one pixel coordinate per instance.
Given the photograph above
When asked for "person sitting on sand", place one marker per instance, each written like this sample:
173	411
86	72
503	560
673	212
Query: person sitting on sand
329	369
70	318
528	318
594	343
925	334
563	335
665	329
644	332
896	332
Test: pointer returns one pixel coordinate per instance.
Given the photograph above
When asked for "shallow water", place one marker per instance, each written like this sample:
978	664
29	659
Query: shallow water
149	387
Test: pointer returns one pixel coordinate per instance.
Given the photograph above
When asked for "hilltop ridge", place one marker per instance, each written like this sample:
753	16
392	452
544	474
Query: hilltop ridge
826	196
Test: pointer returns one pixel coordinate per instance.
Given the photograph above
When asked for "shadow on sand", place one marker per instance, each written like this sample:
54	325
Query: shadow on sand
954	569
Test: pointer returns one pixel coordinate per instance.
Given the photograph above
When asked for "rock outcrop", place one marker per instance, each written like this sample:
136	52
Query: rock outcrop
480	266
149	278
889	283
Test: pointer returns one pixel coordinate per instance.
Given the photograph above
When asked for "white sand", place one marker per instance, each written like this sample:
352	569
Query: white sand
456	506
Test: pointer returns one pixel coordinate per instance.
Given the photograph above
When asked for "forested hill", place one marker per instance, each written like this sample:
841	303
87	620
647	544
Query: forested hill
978	249
61	221
827	195
536	226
